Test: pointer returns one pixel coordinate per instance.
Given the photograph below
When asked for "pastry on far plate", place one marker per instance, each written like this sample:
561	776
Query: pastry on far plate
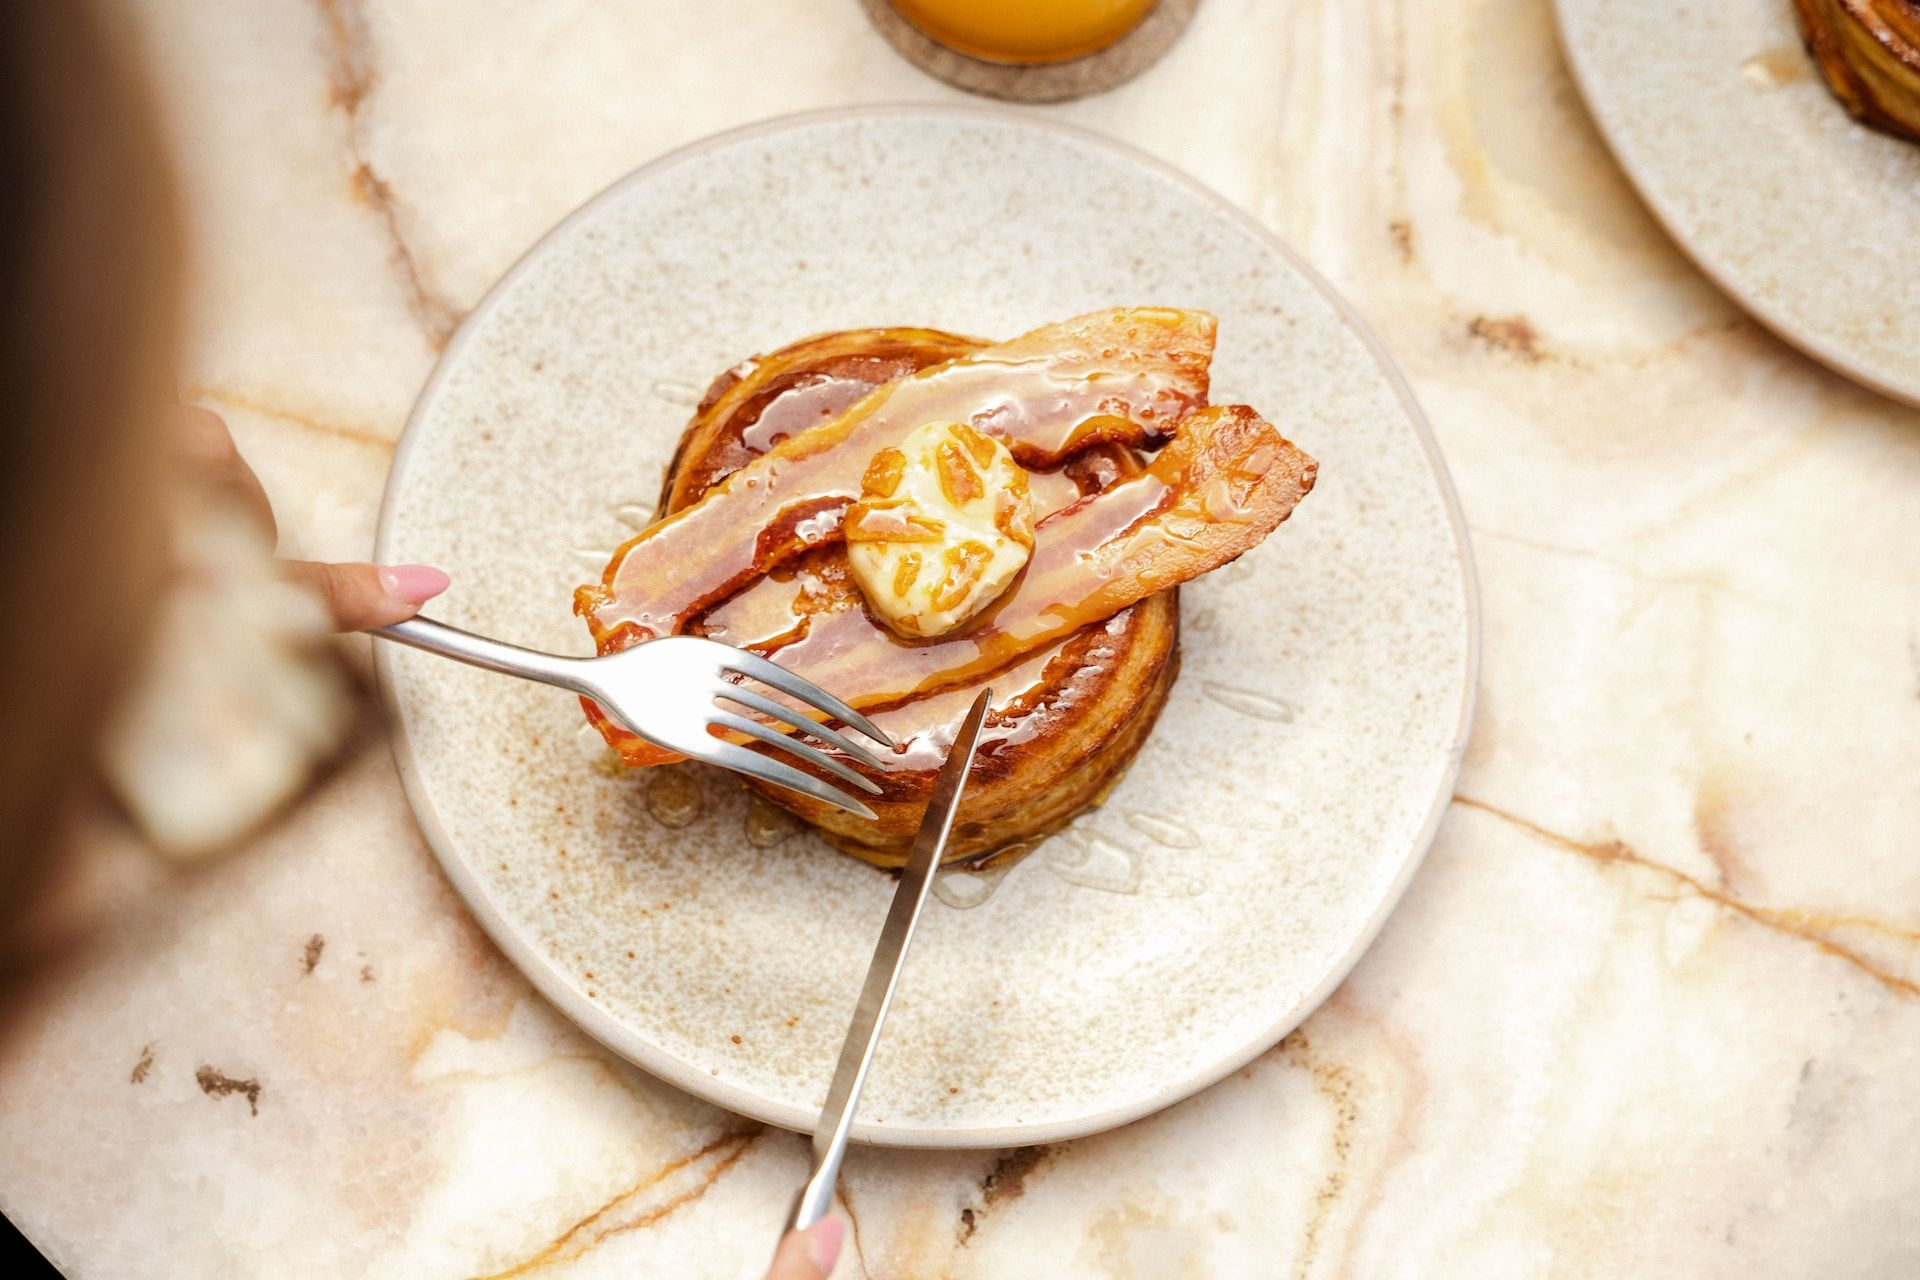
905	516
1869	52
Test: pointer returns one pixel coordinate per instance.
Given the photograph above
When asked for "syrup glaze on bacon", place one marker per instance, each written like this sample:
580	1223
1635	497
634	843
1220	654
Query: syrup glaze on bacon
780	395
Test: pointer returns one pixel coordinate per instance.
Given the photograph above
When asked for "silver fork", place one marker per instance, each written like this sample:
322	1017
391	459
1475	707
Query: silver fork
669	692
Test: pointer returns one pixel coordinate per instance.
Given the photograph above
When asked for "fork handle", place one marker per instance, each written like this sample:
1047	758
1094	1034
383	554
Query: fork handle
493	655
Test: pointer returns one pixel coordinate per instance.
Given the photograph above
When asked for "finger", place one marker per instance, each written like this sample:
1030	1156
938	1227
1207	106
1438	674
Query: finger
362	596
809	1254
202	438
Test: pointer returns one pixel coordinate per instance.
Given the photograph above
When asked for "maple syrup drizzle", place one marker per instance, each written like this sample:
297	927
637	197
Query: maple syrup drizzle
775	609
845	649
811	400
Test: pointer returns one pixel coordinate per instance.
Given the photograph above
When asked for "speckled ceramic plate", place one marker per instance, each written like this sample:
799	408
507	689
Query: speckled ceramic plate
1805	218
1227	884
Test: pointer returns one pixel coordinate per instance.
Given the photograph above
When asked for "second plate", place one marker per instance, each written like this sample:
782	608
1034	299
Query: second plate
1805	218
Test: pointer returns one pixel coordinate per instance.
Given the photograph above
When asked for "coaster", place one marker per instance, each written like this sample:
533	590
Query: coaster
1092	73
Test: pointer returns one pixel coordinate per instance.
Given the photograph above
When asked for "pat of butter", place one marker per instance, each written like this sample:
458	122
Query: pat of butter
943	525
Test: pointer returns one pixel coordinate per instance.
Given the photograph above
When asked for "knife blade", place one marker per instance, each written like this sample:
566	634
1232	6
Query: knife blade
883	973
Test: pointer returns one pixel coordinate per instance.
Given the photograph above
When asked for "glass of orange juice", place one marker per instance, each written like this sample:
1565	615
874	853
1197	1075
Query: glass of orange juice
1025	31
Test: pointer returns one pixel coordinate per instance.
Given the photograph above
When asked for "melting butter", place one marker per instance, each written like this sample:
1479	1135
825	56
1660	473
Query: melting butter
943	526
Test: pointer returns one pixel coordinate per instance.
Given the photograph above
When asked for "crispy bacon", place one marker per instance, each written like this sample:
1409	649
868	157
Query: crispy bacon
1226	481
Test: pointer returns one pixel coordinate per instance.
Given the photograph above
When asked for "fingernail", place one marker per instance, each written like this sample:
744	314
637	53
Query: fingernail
413	583
823	1242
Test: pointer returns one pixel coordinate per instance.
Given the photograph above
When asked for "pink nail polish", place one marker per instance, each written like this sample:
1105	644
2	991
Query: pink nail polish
823	1242
413	583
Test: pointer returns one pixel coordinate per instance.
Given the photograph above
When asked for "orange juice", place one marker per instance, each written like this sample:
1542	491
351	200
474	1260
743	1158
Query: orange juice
1025	30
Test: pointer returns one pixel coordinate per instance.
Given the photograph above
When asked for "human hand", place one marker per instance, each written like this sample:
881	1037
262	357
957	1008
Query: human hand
358	597
809	1254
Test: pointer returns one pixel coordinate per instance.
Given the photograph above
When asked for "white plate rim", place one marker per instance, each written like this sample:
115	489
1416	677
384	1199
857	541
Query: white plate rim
547	978
1722	277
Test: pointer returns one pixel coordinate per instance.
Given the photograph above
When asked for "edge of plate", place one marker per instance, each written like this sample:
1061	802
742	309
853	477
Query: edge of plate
608	1030
1776	321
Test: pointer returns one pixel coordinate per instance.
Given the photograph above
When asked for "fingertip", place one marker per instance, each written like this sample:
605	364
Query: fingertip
808	1254
413	584
823	1242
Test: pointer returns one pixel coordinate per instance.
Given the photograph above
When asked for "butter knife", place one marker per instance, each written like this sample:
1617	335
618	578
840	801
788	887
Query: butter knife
883	974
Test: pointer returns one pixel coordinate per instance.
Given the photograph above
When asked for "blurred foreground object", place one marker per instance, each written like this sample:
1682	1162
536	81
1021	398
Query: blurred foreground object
1869	52
89	271
240	699
1032	50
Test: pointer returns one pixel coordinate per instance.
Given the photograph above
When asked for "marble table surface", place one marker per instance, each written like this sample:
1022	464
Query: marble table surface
1651	1009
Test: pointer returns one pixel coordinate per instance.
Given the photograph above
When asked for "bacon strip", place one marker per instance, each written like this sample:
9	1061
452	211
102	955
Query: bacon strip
1130	375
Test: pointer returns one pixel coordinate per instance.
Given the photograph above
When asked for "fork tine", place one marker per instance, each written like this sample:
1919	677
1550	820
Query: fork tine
752	665
800	750
787	715
737	758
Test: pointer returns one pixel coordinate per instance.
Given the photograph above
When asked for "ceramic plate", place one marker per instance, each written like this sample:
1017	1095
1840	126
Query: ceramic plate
1805	218
1226	885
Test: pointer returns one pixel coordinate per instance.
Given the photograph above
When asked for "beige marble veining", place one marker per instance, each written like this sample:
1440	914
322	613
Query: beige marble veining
1652	1008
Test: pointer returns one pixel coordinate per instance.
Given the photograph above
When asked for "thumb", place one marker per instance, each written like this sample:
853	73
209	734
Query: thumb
362	596
809	1254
